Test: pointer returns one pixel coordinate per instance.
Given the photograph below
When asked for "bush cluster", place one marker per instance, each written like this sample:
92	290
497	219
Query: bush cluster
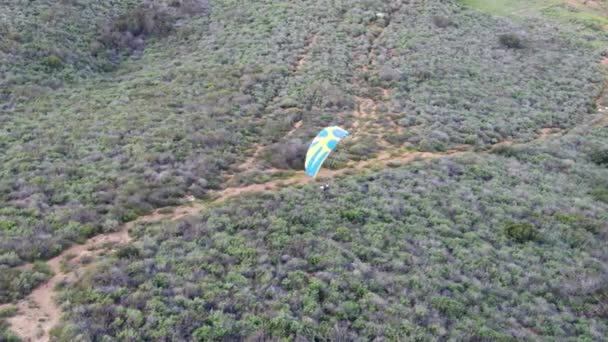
287	155
511	41
129	30
599	156
171	122
305	265
481	79
521	232
16	283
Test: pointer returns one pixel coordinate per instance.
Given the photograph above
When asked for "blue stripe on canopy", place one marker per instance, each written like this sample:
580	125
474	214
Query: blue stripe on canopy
313	169
325	142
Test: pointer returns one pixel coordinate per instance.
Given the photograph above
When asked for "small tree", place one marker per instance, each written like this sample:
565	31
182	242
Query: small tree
511	41
599	156
442	21
287	155
521	232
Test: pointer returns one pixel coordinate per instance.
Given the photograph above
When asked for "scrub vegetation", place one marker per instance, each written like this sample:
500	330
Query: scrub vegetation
110	110
589	17
466	248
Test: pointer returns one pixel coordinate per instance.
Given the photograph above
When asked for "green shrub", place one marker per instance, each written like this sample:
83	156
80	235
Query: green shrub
334	164
15	283
600	194
342	234
577	220
511	41
42	267
356	215
447	306
128	31
350	310
364	148
217	328
161	280
127	252
53	62
286	155
5	334
398	139
599	156
10	259
8	311
574	237
388	74
507	151
521	232
442	21
7	225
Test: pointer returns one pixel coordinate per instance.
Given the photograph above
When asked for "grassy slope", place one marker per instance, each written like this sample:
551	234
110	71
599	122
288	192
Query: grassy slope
106	149
331	269
169	122
460	86
177	116
33	34
420	251
592	18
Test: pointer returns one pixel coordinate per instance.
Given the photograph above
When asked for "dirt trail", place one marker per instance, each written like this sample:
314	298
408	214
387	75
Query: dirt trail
300	178
368	120
295	127
386	94
301	60
38	312
549	132
258	148
363	111
249	163
602	100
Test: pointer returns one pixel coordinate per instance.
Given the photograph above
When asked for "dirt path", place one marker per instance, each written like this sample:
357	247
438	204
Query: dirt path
368	120
257	149
250	162
362	113
38	313
601	102
295	127
300	178
301	60
549	132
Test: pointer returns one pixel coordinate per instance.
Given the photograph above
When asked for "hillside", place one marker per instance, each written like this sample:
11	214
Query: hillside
470	203
493	247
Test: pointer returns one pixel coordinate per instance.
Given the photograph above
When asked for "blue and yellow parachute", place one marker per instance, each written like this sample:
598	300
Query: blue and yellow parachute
325	142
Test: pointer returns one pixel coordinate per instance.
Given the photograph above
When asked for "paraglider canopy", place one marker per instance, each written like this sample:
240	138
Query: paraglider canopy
325	142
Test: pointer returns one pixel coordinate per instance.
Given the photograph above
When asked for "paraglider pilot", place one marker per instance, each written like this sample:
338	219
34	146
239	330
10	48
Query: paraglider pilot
324	143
